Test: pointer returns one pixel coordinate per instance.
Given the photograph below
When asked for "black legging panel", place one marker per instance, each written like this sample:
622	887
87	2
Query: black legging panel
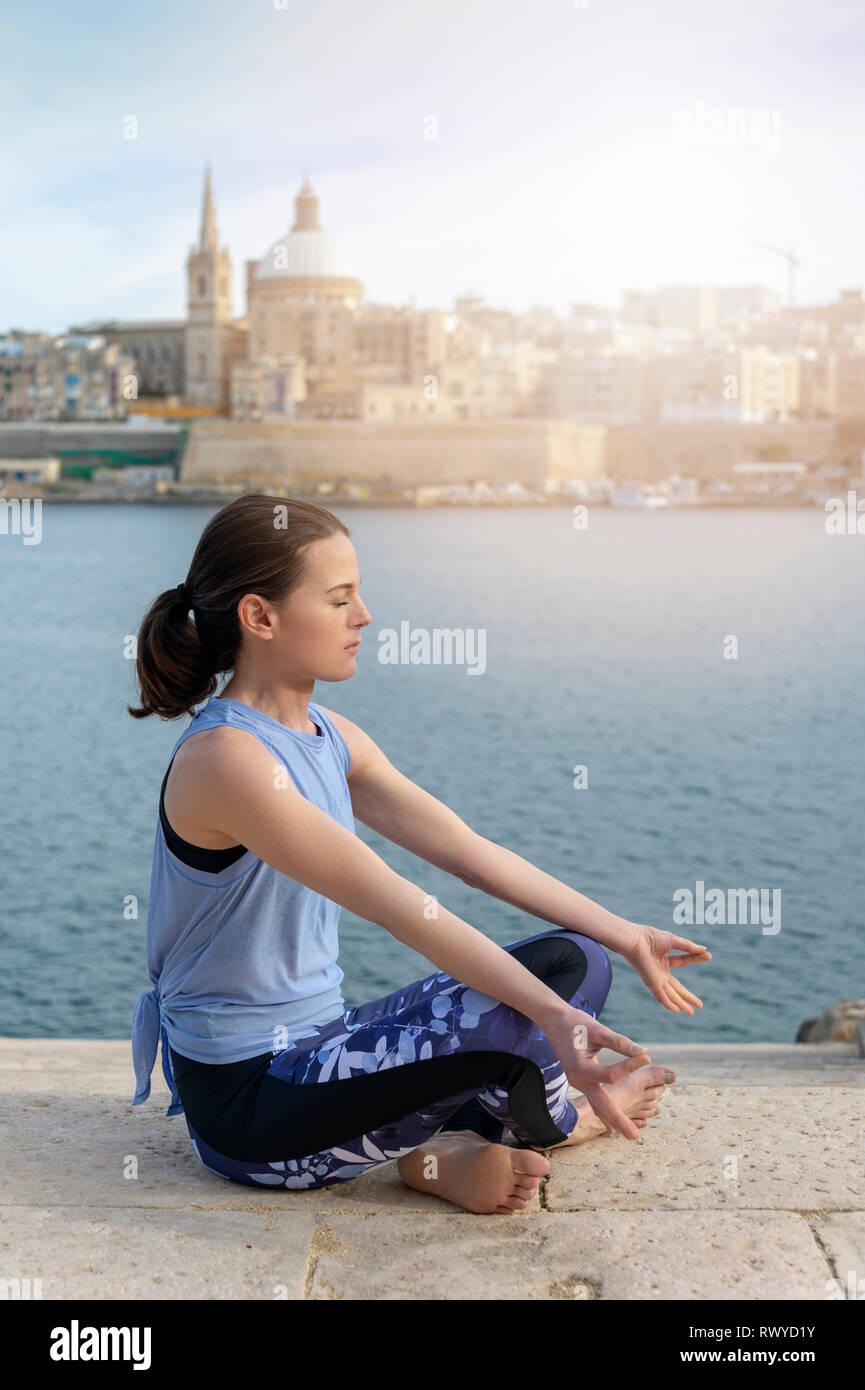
244	1112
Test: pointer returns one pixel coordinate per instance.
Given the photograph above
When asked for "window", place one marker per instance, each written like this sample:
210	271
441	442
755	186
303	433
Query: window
202	285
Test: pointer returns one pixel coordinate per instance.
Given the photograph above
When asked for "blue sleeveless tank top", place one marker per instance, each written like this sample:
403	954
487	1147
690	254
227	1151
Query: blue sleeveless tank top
236	955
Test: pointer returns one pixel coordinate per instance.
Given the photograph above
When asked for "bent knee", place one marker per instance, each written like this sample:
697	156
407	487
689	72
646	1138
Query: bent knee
592	949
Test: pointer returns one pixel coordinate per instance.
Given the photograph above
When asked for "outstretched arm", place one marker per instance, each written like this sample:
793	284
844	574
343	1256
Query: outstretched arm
405	813
232	785
503	874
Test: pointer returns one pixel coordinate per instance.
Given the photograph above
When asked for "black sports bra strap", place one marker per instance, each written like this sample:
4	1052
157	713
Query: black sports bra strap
211	861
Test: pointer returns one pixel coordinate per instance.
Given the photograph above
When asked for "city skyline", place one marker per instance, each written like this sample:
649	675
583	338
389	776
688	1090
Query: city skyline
577	152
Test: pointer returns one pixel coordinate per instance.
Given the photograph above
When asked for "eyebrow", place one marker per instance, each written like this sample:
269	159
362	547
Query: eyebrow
339	586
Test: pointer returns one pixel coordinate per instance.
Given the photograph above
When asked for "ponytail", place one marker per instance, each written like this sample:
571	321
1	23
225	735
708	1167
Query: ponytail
256	544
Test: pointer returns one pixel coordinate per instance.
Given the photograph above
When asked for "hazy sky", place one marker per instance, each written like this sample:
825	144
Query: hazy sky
576	153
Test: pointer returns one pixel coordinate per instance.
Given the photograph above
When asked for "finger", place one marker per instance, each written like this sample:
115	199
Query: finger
614	1070
676	962
677	999
685	994
659	988
664	991
600	1036
615	1120
670	1000
681	943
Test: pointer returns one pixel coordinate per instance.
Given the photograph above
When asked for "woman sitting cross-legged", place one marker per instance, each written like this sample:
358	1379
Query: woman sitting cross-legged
281	1083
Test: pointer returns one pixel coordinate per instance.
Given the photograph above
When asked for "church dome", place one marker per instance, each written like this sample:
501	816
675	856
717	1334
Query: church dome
306	251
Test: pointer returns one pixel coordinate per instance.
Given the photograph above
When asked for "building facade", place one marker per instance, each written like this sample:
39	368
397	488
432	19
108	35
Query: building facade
78	376
213	341
157	349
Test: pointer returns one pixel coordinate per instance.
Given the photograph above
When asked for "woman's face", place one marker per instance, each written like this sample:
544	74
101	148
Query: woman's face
316	625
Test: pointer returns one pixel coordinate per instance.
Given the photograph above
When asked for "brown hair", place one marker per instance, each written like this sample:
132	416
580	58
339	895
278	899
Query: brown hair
257	544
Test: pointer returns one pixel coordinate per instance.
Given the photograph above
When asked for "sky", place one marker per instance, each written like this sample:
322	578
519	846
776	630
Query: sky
535	154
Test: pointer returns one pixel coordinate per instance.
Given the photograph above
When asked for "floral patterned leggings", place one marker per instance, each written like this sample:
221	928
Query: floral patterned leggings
378	1081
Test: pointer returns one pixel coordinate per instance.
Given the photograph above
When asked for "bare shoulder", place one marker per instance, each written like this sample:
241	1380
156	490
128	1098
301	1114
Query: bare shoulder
222	750
193	791
362	749
208	747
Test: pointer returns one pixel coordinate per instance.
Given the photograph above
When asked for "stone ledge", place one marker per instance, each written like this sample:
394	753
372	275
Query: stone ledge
101	1200
751	1147
108	1253
585	1256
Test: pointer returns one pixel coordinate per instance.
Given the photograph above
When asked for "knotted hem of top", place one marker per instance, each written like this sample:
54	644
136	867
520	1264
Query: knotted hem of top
153	1020
148	1028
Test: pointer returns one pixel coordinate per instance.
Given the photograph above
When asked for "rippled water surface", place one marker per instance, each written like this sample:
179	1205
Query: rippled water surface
604	649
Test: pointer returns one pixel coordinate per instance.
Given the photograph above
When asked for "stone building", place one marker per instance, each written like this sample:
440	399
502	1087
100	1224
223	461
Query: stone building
214	341
191	358
78	376
407	453
156	347
302	296
305	305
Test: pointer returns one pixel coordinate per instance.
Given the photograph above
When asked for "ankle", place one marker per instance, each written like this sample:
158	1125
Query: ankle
472	1134
587	1126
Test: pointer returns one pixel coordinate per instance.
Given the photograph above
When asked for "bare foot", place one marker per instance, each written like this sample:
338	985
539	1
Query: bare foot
638	1094
474	1174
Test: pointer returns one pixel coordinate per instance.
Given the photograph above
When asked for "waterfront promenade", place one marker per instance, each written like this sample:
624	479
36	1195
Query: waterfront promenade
749	1185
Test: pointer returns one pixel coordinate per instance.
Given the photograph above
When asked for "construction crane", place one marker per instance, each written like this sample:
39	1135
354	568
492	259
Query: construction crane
792	263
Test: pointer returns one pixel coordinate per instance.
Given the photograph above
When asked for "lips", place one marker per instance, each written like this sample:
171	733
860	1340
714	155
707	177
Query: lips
352	646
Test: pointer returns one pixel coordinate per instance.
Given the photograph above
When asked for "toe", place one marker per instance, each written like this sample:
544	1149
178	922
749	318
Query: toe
661	1076
526	1186
523	1194
532	1164
515	1203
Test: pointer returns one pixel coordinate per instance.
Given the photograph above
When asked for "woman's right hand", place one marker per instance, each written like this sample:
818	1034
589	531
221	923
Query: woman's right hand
577	1039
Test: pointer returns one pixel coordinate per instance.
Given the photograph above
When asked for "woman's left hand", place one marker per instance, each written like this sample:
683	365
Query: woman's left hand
650	954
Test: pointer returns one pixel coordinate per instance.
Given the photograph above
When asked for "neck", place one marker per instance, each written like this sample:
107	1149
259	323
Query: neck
287	706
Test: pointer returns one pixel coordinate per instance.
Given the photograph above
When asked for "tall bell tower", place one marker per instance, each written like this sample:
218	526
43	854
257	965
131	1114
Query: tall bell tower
209	313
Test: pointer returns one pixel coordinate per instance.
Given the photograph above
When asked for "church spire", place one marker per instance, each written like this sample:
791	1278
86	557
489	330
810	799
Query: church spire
209	239
306	209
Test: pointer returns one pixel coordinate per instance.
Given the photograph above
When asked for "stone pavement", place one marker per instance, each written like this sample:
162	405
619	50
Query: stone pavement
749	1184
